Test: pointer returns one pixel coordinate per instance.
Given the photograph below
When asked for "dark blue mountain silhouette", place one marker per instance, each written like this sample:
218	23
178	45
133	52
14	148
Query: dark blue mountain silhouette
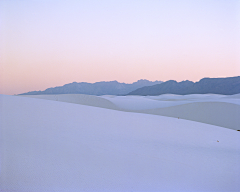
99	88
225	86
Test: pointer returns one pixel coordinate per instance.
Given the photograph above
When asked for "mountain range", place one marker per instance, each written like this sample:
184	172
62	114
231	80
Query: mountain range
98	88
225	86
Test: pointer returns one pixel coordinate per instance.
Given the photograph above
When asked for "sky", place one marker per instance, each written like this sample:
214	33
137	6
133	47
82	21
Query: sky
48	43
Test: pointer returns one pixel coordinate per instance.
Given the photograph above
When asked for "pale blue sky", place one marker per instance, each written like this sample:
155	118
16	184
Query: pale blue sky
47	43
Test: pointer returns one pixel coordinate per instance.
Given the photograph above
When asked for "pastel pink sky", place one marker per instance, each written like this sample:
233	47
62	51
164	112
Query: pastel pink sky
51	43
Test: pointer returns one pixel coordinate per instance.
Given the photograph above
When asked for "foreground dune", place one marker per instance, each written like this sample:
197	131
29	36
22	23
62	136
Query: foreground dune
213	109
56	146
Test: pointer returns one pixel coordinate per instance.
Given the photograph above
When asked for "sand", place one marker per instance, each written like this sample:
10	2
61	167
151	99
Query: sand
57	146
220	110
215	113
82	99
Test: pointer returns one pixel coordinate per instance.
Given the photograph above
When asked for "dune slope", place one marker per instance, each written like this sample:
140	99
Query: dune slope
56	146
214	113
213	109
82	99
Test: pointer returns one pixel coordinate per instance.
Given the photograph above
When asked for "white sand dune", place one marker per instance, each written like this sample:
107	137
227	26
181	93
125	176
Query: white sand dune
56	146
215	113
237	96
213	109
186	97
141	103
162	101
82	99
110	102
197	98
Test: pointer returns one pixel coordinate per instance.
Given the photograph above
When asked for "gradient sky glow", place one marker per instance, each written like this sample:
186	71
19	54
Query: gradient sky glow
48	43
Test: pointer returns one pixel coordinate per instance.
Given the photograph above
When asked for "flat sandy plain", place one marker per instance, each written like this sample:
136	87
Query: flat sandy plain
71	143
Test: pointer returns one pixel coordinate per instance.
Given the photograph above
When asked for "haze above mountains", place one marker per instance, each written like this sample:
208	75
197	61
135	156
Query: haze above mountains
225	86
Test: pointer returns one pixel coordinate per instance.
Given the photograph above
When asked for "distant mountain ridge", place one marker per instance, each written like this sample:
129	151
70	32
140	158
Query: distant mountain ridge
225	86
98	88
